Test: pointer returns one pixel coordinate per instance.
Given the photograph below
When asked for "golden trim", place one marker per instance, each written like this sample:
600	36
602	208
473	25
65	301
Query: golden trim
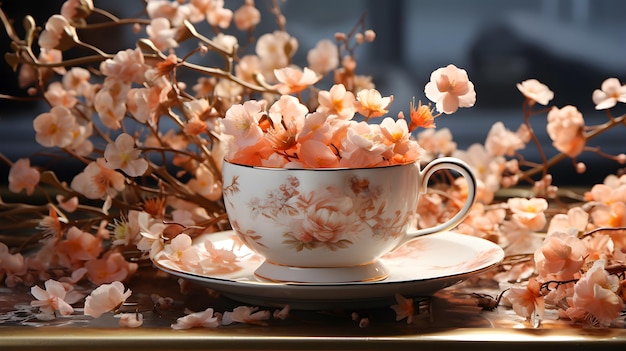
466	339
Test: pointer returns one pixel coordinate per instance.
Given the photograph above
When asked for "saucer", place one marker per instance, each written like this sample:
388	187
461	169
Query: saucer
418	268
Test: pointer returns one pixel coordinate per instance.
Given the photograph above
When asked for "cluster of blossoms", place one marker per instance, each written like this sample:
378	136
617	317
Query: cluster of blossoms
149	148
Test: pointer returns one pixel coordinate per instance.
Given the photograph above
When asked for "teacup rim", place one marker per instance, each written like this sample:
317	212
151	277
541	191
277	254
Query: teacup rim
318	168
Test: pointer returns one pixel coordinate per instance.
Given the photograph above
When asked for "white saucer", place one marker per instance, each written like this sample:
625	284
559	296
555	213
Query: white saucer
419	268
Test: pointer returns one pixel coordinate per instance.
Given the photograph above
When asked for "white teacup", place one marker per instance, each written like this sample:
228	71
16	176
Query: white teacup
331	225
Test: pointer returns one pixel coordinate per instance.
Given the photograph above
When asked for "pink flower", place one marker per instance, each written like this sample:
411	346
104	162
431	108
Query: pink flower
105	298
527	301
97	181
404	308
23	176
450	88
316	154
364	146
56	31
126	66
113	267
566	128
57	95
205	184
78	246
181	252
275	50
337	101
162	34
324	57
370	103
595	292
110	102
529	213
123	155
436	142
561	254
612	92
501	141
535	91
55	128
245	314
293	80
76	9
12	266
204	319
576	219
51	299
247	16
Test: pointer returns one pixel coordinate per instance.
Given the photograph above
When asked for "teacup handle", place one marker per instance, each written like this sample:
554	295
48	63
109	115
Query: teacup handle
456	165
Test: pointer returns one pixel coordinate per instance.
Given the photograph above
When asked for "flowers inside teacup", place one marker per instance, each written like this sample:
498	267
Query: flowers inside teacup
332	224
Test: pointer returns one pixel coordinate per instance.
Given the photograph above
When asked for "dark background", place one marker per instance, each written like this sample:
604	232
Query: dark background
570	45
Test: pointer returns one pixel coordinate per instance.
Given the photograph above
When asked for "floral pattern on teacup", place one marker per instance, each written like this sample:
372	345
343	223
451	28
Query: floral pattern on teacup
329	217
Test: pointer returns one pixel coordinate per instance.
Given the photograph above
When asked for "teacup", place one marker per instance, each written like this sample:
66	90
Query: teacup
331	225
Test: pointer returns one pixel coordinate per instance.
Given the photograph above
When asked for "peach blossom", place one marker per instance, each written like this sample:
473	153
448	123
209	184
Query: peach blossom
501	141
364	146
78	247
247	16
561	254
576	219
105	298
204	319
242	122
109	269
57	95
97	181
161	33
535	91
216	14
370	103
57	30
337	101
566	128
436	142
181	252
247	67
595	292
172	10
275	50
316	154
450	88
12	266
612	215
324	57
76	9
51	299
126	66
55	128
110	102
527	300
245	314
529	213
123	155
292	80
23	176
205	184
611	92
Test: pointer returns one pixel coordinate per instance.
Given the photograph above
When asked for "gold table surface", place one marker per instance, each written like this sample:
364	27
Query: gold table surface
449	320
